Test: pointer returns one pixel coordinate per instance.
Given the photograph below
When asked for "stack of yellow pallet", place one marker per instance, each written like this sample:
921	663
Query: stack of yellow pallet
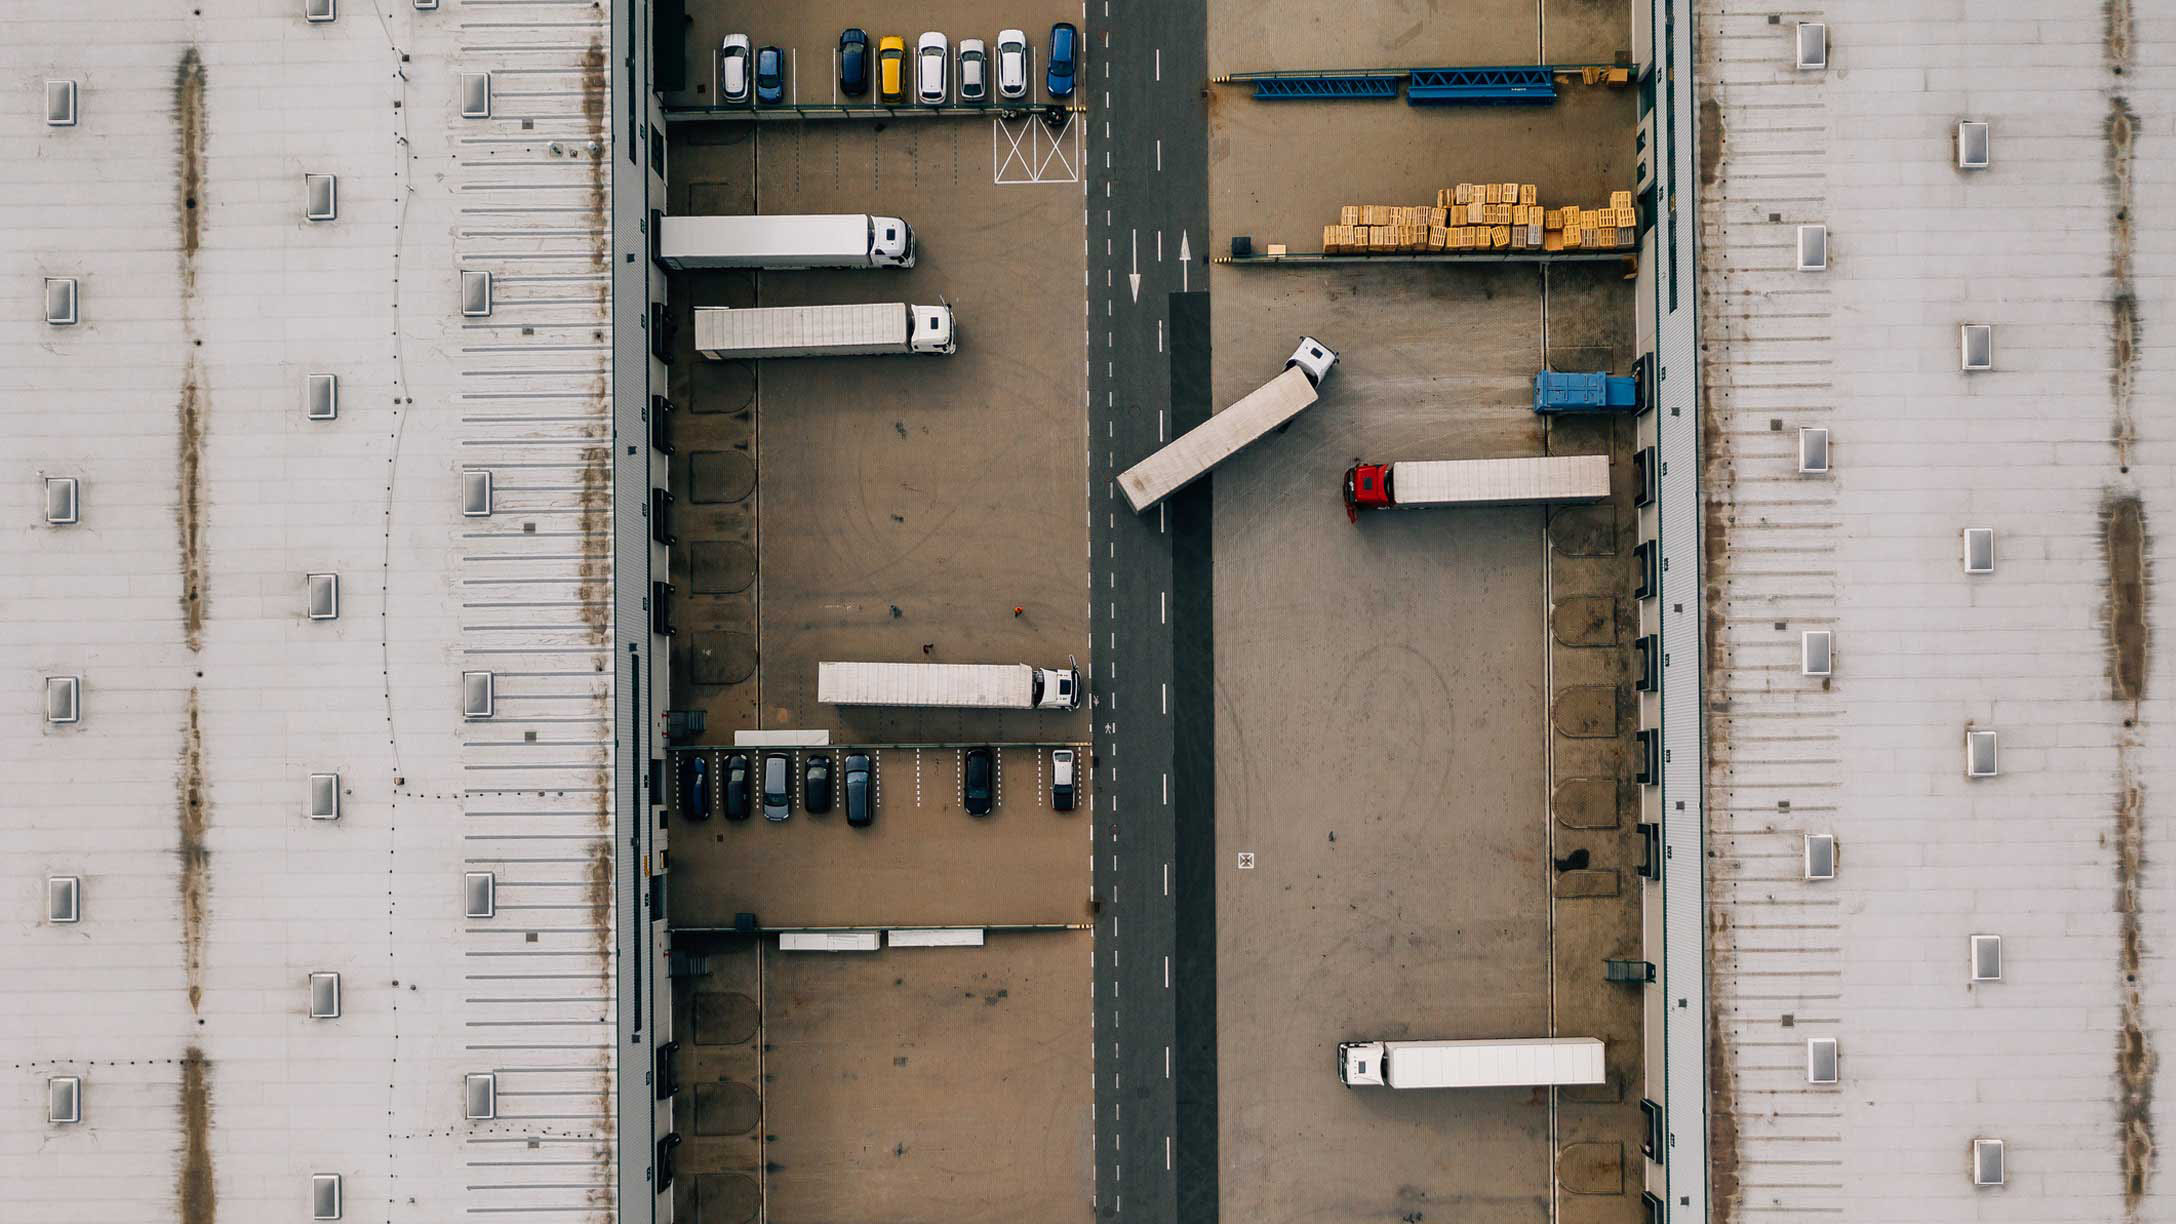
1481	217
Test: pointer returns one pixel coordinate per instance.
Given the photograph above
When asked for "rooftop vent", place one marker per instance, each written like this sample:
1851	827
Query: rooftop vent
324	996
1812	45
60	301
323	194
60	500
64	1100
1979	550
480	1093
323	802
426	6
1987	958
1812	451
1812	248
1977	340
325	1187
60	104
477	694
62	694
475	294
1820	1060
476	492
1979	754
1987	1162
1972	145
475	95
321	396
1813	651
63	899
320	10
324	596
480	889
1820	856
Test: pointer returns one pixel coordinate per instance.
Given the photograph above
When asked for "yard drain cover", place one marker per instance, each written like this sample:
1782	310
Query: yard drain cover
726	1198
728	1108
720	476
723	1018
722	656
721	567
723	386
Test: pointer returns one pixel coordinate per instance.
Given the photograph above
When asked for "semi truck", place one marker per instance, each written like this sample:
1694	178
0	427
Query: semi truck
984	686
1557	392
1414	485
723	333
813	240
1189	456
1521	1062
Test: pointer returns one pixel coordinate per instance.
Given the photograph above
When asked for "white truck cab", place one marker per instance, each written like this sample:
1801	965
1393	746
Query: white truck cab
891	243
1360	1063
929	330
1314	357
1057	688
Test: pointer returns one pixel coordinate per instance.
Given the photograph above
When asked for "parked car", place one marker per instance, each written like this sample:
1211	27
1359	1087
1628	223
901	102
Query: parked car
777	786
891	70
1064	59
736	786
860	795
854	62
733	73
979	788
932	64
770	76
1061	779
1012	64
974	71
694	786
816	783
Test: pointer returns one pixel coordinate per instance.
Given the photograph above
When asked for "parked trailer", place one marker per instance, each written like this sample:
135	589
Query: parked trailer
820	240
1513	1063
989	686
1559	392
1189	457
723	333
1475	482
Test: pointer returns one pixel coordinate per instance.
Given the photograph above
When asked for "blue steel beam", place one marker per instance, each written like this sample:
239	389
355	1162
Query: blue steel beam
1285	88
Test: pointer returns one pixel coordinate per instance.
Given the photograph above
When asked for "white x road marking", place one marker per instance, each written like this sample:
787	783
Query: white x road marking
1032	153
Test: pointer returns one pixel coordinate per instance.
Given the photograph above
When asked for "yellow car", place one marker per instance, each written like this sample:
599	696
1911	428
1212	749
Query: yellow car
891	70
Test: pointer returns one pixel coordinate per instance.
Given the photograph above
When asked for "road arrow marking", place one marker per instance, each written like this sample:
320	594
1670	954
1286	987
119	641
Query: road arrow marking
1186	261
1134	278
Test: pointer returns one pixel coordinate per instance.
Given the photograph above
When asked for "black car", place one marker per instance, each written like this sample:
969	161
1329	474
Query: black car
736	786
979	787
854	62
816	783
695	786
777	786
860	799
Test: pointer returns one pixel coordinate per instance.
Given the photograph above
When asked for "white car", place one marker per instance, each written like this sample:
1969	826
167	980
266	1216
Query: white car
932	60
734	68
974	71
1012	64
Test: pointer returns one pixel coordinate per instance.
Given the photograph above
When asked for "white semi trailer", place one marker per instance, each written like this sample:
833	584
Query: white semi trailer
1189	456
1512	1063
1414	485
812	240
723	333
987	686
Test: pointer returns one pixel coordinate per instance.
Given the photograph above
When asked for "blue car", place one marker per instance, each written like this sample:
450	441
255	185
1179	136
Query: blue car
1064	59
770	76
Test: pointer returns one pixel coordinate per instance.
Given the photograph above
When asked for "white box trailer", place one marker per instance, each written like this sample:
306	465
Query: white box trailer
1521	1062
988	686
1475	482
814	240
1191	455
723	333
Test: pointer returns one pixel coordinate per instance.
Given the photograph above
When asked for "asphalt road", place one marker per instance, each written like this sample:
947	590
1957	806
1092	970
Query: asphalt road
1146	196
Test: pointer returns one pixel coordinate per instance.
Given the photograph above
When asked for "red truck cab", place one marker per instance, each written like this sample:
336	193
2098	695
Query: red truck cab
1367	486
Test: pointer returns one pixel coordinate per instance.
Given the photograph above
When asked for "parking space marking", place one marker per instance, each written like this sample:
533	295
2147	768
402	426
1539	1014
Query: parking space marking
1033	153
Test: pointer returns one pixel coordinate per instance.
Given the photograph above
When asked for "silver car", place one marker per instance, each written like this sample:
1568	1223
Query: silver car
974	71
735	69
932	64
1012	64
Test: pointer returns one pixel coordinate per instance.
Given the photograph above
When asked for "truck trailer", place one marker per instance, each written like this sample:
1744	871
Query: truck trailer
723	333
1189	456
1557	392
813	240
1522	1062
1413	485
984	686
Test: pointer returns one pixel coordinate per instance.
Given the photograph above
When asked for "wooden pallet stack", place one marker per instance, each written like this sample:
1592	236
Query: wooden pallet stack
1481	217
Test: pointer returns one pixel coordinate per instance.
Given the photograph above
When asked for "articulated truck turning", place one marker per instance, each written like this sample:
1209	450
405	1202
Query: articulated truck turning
1189	457
826	240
